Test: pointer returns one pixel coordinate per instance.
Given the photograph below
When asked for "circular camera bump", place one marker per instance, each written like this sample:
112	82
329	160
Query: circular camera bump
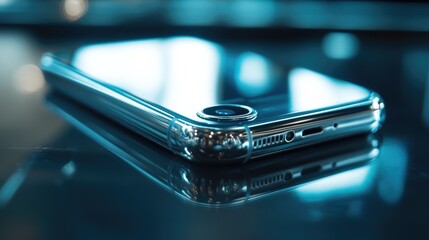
227	112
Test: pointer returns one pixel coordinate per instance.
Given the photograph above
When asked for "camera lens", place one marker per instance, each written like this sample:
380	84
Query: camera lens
225	112
228	112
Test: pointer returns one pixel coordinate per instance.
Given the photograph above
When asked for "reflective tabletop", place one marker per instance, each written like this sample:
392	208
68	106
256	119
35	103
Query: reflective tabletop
63	178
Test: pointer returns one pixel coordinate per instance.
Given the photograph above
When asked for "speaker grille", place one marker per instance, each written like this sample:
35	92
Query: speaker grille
270	141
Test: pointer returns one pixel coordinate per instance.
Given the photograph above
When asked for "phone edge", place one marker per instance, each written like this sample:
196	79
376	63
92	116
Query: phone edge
198	143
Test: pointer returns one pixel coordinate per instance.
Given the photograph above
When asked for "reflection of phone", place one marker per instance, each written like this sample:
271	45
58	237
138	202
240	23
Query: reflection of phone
210	185
208	105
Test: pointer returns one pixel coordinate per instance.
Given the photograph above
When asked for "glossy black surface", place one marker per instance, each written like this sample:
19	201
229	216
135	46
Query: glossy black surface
55	183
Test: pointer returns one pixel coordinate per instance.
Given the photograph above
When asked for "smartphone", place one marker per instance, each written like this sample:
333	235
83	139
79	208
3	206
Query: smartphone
220	185
209	104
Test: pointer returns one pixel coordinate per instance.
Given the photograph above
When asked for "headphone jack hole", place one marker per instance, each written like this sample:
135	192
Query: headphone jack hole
290	135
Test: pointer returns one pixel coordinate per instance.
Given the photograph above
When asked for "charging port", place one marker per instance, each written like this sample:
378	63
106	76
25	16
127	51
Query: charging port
311	170
312	131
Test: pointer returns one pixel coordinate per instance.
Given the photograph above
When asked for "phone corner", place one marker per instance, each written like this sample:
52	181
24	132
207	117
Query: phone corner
206	144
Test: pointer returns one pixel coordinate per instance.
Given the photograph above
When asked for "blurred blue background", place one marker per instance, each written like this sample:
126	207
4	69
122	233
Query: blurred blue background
57	184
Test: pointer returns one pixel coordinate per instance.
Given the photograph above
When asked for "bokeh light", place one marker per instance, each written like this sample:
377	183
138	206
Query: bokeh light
340	45
74	9
29	79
